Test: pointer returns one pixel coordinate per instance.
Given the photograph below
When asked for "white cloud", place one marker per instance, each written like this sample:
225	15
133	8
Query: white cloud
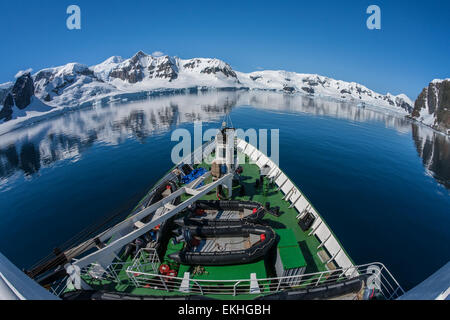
157	54
22	72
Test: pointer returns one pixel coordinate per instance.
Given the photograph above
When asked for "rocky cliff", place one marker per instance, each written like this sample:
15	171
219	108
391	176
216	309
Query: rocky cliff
19	95
432	106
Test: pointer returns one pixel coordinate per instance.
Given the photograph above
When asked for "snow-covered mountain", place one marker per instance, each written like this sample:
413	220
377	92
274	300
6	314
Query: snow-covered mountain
314	84
74	84
151	72
432	106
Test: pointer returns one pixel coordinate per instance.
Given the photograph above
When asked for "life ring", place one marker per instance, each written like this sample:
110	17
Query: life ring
164	269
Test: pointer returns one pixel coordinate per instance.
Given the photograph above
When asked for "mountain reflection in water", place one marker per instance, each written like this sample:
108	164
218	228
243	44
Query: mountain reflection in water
67	136
434	149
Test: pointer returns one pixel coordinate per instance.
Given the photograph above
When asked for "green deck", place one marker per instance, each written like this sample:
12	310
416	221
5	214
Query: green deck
287	220
292	242
228	272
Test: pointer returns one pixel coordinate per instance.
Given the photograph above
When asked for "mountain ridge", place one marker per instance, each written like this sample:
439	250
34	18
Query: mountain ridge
74	83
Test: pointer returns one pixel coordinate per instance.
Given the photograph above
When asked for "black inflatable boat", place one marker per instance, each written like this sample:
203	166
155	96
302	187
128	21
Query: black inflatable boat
221	212
224	245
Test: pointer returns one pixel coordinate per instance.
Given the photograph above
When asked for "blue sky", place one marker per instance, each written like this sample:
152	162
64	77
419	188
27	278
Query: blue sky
324	37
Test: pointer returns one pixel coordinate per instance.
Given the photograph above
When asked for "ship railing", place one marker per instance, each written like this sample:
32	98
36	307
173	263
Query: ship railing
59	287
97	274
375	275
142	273
93	275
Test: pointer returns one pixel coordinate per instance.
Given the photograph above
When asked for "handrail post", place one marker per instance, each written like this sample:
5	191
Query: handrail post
164	283
279	285
201	289
318	280
234	288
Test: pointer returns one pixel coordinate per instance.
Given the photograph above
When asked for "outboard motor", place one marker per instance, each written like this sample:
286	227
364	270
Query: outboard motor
183	235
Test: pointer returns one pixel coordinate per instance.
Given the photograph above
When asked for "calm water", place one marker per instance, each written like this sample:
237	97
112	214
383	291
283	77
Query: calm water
379	181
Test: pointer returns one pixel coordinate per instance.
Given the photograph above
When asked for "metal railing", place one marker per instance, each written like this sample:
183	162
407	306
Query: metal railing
59	287
142	272
95	274
377	276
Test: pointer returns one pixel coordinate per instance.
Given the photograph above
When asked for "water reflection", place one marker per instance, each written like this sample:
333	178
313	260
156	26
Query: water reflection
67	136
29	149
434	149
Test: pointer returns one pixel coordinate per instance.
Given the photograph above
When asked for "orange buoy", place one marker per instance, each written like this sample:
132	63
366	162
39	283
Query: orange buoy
255	210
263	237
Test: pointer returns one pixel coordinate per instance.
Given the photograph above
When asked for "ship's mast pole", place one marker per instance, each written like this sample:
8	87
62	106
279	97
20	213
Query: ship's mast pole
225	159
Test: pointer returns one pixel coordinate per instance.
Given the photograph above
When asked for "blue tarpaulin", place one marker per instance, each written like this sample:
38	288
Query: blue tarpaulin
193	176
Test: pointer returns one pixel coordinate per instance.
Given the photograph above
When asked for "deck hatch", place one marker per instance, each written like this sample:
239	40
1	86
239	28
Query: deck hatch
290	260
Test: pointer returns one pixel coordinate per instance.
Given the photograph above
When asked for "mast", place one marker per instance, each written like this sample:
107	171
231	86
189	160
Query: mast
225	157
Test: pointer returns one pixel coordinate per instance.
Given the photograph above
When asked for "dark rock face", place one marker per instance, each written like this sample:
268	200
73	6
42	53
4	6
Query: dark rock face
254	78
20	95
132	73
214	70
311	82
9	101
403	104
435	99
224	68
6	112
192	64
23	90
289	89
166	69
160	68
3	93
385	98
362	91
308	90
